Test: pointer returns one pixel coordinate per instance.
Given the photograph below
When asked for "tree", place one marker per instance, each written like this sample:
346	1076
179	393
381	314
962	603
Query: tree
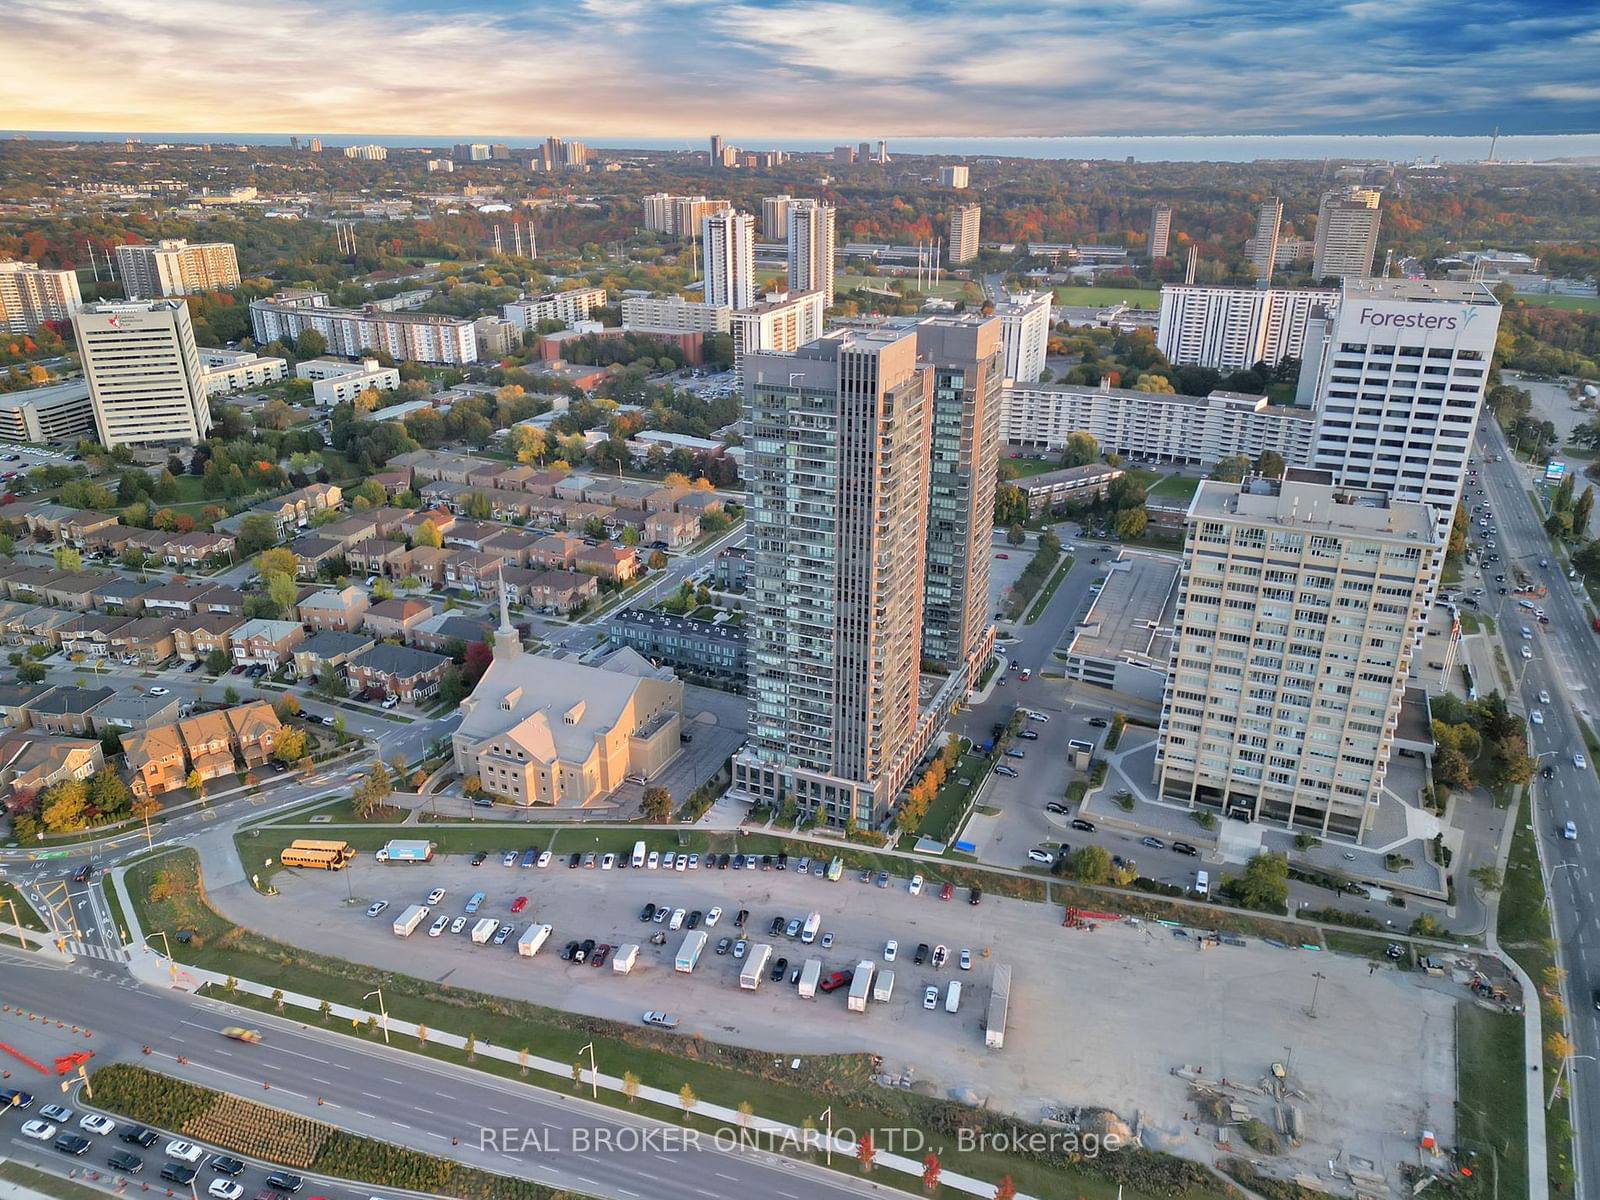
310	344
657	805
687	1098
1010	505
1231	469
429	535
287	706
277	998
145	807
107	792
218	661
371	792
1561	501
230	694
1081	450
1582	509
68	559
630	1086
472	1047
1271	464
61	806
1005	1189
1559	524
1426	926
1487	877
658	560
195	783
291	745
866	1151
746	1111
256	533
1016	535
277	561
1264	884
1131	523
931	1170
1451	769
282	591
31	672
1090	864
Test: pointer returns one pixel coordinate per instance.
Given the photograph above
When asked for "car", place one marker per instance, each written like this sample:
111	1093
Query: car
1015	752
480	858
238	1034
95	1123
1099	722
975	896
1154	843
965	959
225	1189
435	896
695	916
607	861
1569	831
940	953
440	924
827	940
1185	848
193	667
1579	761
779	970
921	956
574	859
681	863
528	857
376	907
284	1181
508	858
783	860
139	1135
238	670
819	869
1544	696
179	1173
836	981
915	887
930	997
501	934
665	1020
569	952
56	1112
39	1131
694	862
1041	856
724	945
544	859
186	1152
947	891
520	903
1002	555
1080	824
883	879
125	1163
713	917
159	691
1038	716
740	947
662	913
1007	772
1536	716
891	949
792	929
390	701
1547	772
224	1164
475	902
723	860
589	860
600	953
1028	735
647	913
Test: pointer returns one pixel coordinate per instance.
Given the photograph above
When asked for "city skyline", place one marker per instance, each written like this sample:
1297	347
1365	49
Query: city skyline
808	69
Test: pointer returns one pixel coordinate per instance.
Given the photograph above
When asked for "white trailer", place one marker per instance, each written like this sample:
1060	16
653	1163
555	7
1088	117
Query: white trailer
484	929
622	961
407	921
694	943
755	962
809	975
861	986
883	987
532	938
994	1035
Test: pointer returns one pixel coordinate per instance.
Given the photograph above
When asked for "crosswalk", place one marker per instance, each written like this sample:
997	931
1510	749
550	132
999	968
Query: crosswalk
92	950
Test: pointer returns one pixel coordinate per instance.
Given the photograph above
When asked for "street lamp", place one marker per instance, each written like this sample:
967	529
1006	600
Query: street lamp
1556	1087
381	1009
172	967
1315	987
594	1076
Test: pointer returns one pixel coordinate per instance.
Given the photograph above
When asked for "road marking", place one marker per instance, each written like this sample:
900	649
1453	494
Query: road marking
501	1111
371	1096
729	1178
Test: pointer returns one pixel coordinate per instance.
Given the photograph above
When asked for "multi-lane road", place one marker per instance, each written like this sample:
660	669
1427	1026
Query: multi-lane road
1566	664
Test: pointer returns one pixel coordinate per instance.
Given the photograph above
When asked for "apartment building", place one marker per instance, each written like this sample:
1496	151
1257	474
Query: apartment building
174	267
431	338
1347	233
568	307
676	314
782	322
1025	328
1290	651
1160	230
1233	328
775	217
964	221
954	177
837	454
809	228
229	371
729	242
1264	245
30	296
334	381
146	383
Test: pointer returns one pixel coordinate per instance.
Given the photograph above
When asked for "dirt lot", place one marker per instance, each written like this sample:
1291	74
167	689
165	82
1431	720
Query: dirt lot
1100	1017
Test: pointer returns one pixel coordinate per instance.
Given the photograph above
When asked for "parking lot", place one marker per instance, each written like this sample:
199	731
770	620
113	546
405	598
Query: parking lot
1099	1018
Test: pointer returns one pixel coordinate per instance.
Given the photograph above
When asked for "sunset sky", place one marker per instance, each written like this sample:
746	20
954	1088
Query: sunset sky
798	68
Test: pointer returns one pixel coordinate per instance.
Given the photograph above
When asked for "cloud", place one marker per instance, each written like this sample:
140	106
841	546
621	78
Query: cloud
798	68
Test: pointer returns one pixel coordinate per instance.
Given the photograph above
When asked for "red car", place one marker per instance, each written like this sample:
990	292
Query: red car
836	981
600	952
946	892
520	903
1002	556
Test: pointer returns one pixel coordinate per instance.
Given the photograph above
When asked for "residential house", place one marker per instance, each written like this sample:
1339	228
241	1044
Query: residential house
340	609
549	591
295	509
443	494
28	583
133	710
198	548
441	632
90	633
208	742
700	502
471	534
730	571
427	563
441	518
435	464
574	487
31	763
397	617
220	600
392	482
147	639
312	552
155	760
254	729
665	499
557	550
123	595
707	649
399	671
620	493
65	709
347	531
512	544
74	589
266	642
201	636
609	561
179	597
377	556
14	701
31	625
329	650
472	570
672	529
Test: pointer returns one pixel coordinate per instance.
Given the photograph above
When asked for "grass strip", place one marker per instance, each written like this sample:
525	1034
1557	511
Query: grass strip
26	916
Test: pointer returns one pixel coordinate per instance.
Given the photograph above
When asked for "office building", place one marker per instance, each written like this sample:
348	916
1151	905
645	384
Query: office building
1347	233
1025	324
1291	646
811	237
1233	328
965	358
1155	425
174	267
431	338
676	314
368	153
57	412
954	177
1401	385
837	459
568	307
1160	230
729	243
775	217
29	296
716	149
782	322
1264	246
844	154
964	220
145	378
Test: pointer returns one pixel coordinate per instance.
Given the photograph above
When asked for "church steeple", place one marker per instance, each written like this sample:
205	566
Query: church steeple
507	642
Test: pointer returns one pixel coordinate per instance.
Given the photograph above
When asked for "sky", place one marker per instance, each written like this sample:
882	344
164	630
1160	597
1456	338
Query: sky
802	68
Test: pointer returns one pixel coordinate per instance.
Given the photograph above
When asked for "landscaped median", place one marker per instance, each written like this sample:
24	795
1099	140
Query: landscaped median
702	1084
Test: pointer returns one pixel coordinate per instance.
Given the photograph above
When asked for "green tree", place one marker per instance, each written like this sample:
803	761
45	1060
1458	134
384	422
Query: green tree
1271	464
218	661
1264	885
1081	450
31	672
1010	505
657	805
68	559
1016	535
107	792
231	694
1131	523
1581	511
281	590
1231	469
1561	501
310	344
1090	864
256	533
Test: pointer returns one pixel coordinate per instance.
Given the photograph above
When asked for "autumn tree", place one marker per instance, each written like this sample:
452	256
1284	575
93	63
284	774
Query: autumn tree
866	1150
931	1170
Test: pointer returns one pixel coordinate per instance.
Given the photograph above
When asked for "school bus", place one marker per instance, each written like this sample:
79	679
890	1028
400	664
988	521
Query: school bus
326	856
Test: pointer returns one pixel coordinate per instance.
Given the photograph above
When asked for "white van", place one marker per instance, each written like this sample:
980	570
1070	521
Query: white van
1527	633
1202	884
638	855
952	997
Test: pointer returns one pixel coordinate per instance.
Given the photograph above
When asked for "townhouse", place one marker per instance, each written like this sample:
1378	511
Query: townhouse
549	591
329	650
396	618
401	671
266	643
199	637
340	609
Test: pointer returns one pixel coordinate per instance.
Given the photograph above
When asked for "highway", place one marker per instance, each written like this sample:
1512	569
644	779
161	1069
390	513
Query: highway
1566	663
559	1140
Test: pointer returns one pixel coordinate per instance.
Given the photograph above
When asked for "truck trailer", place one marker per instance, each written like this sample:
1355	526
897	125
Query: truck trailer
755	964
809	975
407	921
622	961
883	987
861	986
532	938
694	943
994	1035
406	852
484	929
